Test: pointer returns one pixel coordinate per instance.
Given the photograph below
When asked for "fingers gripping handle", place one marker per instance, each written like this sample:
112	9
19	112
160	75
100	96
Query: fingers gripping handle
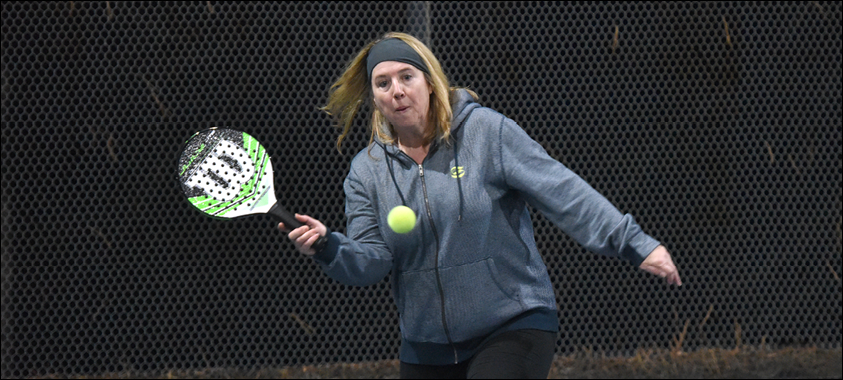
290	221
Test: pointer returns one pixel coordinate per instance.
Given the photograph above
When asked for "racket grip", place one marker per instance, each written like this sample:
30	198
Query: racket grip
291	223
285	217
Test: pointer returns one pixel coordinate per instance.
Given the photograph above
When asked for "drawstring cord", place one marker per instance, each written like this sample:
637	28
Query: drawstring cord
458	175
389	159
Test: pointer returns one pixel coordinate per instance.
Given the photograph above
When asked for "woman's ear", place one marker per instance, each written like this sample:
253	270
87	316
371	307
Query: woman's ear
374	103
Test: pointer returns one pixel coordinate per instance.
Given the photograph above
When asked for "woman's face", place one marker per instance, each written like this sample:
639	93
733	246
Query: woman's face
401	94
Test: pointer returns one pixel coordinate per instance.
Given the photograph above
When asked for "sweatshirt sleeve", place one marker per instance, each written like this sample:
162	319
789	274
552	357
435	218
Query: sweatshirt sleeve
567	200
361	258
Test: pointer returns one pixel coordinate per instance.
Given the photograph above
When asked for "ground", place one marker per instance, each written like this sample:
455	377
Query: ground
747	362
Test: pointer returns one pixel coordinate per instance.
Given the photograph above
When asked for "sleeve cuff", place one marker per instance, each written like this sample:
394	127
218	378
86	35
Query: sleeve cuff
637	251
329	251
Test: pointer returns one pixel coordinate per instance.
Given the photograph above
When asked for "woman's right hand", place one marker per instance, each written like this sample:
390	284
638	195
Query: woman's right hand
304	236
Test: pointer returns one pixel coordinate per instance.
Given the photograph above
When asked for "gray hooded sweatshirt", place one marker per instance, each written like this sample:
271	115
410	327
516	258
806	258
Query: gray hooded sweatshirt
470	268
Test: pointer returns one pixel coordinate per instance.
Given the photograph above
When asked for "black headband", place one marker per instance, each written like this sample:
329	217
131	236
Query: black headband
393	49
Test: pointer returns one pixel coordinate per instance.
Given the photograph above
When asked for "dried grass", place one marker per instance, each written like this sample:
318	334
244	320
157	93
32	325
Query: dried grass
746	362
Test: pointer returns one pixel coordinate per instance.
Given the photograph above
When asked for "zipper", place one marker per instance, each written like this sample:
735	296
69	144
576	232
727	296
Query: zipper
436	267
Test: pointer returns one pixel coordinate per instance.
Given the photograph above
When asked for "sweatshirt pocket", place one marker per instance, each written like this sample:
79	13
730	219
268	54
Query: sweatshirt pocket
477	300
420	307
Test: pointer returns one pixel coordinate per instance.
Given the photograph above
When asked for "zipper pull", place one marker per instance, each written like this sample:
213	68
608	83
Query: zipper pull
421	171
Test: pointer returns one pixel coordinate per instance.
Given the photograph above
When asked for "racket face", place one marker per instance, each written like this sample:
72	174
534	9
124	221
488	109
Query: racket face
226	173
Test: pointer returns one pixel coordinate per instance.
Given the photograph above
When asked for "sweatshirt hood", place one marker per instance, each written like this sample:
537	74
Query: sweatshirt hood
461	106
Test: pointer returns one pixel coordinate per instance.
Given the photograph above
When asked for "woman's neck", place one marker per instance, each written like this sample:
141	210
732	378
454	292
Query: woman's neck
416	153
413	143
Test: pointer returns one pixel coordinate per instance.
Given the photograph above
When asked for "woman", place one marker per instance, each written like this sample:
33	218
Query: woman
473	294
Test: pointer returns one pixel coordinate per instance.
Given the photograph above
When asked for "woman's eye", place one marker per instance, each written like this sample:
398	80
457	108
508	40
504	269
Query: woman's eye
408	77
382	84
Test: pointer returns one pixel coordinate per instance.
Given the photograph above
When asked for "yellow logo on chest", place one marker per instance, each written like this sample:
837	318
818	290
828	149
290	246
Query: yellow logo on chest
457	172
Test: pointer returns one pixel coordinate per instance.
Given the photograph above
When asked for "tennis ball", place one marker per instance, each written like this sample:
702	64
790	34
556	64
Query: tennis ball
401	219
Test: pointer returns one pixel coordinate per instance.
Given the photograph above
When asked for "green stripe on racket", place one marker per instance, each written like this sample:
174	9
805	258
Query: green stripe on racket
225	174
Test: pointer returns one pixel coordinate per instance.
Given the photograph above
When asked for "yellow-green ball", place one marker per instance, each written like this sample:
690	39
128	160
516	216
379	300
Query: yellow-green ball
401	219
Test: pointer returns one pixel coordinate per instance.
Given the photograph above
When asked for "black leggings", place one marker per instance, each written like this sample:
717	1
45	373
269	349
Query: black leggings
515	354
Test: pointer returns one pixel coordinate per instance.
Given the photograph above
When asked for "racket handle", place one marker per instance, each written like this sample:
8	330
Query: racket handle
285	217
291	223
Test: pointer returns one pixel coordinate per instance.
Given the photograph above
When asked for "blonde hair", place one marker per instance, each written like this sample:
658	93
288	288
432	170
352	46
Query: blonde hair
353	89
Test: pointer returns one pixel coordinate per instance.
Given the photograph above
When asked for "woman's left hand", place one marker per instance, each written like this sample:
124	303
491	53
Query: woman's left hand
660	264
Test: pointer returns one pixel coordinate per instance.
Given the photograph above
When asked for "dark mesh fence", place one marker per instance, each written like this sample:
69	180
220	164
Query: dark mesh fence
718	125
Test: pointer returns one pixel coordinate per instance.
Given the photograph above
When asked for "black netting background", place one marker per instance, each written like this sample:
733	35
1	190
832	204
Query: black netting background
718	125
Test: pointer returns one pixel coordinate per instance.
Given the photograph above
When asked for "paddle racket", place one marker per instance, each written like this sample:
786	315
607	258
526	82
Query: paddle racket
227	174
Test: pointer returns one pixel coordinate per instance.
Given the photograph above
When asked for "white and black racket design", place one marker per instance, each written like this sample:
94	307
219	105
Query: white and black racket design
227	174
